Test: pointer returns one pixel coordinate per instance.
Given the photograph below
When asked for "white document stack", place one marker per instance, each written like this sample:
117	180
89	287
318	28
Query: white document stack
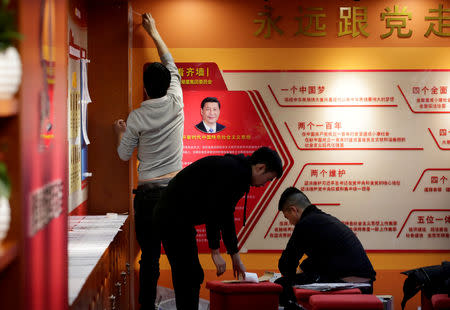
88	238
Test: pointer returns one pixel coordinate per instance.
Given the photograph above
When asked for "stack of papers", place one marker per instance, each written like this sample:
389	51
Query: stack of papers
332	286
88	238
251	277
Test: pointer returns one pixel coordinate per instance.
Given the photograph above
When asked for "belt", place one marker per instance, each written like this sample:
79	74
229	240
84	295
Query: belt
148	187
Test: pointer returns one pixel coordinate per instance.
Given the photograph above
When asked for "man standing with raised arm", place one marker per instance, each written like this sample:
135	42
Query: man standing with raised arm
156	130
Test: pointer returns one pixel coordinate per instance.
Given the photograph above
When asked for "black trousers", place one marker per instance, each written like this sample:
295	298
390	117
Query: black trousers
180	246
150	243
288	295
306	278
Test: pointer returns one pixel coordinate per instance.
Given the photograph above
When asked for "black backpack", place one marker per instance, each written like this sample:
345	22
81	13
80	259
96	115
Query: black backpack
430	280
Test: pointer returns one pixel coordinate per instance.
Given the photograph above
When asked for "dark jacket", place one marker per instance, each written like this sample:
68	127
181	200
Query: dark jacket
332	248
206	192
200	126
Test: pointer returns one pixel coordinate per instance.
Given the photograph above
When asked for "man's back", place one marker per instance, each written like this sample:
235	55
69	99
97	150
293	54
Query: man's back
156	129
332	248
205	192
208	187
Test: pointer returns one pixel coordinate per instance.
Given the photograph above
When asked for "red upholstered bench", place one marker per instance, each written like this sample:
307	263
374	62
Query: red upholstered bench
243	296
437	302
425	302
345	302
440	302
303	295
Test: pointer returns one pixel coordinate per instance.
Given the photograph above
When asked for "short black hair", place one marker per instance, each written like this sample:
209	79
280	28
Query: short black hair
293	196
270	158
156	80
209	99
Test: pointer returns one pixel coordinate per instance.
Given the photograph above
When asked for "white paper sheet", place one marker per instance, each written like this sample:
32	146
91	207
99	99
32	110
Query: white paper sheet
332	286
85	99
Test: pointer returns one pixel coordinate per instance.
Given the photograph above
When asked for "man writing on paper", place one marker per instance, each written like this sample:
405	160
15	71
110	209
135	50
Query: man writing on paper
334	252
206	192
156	129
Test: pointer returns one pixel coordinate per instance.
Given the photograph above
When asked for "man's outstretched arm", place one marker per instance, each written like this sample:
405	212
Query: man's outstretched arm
148	22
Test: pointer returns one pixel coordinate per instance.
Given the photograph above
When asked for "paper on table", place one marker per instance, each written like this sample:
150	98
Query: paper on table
331	286
269	276
249	277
